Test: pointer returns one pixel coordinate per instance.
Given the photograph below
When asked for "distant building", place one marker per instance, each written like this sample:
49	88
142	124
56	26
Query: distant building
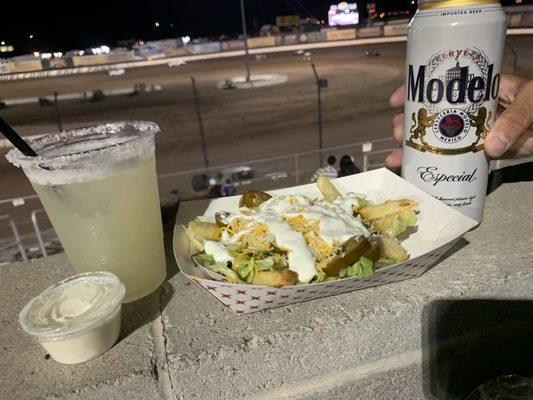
5	48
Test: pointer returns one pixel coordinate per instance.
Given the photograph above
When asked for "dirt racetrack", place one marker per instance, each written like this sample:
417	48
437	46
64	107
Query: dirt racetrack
240	125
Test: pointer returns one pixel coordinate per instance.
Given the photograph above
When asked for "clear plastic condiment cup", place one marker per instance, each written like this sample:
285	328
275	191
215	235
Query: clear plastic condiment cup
77	319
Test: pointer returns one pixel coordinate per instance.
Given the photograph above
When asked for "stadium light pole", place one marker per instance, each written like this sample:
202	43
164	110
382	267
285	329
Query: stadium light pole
58	114
200	122
245	36
320	84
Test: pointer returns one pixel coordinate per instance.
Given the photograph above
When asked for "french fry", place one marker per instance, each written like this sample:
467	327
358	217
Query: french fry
195	244
206	230
383	216
391	248
371	212
328	190
275	278
384	224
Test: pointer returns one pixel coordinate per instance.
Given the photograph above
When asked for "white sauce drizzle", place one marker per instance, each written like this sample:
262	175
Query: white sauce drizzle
218	251
336	223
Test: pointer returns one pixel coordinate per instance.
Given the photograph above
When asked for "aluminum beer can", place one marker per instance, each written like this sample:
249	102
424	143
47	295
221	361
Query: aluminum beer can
454	56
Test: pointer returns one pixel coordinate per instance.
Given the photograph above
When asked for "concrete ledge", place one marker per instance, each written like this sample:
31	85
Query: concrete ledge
131	387
405	340
399	383
26	371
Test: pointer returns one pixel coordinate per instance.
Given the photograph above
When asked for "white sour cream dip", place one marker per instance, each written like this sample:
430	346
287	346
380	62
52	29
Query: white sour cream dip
77	319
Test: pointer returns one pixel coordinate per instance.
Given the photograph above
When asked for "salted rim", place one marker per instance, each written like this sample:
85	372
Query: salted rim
105	306
140	130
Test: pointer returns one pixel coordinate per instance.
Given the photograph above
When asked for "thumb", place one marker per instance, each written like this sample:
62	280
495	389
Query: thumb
398	97
512	123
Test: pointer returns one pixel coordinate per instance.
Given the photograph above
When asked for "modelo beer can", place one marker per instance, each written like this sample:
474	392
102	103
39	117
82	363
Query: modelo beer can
454	55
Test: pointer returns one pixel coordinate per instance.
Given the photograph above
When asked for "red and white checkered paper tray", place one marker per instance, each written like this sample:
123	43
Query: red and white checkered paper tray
439	227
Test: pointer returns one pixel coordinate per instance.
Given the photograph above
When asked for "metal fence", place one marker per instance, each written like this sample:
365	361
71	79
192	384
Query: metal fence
35	233
15	242
39	239
24	220
281	171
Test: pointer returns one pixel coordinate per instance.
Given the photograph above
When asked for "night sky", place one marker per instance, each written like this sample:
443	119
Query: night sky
62	26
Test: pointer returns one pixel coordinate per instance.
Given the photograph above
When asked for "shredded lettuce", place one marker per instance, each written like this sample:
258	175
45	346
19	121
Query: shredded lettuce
204	259
281	263
400	225
228	273
361	269
385	261
361	201
207	261
320	276
250	277
199	238
233	252
265	264
246	272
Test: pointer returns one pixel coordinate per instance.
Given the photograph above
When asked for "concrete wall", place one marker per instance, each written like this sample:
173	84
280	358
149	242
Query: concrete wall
395	30
24	66
80	61
266	41
341	34
436	336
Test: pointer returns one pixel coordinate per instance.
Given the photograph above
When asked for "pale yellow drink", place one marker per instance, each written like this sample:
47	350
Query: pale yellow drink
112	224
105	210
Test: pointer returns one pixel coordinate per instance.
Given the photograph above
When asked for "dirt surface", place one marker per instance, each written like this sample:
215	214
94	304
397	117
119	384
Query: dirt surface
240	125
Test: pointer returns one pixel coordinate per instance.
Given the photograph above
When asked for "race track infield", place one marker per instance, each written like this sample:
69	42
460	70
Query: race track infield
240	125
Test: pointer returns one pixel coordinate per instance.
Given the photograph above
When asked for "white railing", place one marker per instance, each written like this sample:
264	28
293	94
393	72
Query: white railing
286	170
296	166
18	201
17	242
37	230
273	172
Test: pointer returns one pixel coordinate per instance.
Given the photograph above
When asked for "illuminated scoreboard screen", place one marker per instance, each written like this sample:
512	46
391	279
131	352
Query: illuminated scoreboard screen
343	14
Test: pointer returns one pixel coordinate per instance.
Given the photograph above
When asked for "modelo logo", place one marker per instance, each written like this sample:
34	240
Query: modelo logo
444	77
452	89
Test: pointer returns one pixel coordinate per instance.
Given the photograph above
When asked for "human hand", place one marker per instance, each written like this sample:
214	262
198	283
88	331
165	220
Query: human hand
510	136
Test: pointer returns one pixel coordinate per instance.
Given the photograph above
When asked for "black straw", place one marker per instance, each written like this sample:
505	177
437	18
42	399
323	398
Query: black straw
15	138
